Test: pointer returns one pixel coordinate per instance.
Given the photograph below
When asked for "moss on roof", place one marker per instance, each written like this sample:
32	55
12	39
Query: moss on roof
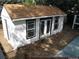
25	11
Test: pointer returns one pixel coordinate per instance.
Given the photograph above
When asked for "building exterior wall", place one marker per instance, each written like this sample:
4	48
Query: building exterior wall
6	21
17	37
21	37
8	27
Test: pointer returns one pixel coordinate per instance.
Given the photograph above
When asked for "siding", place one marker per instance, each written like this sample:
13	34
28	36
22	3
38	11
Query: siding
16	37
5	16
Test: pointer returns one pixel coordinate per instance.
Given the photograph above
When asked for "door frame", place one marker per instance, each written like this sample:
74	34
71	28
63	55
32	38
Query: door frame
45	28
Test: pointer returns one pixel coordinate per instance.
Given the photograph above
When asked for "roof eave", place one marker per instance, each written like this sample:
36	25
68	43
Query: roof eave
17	19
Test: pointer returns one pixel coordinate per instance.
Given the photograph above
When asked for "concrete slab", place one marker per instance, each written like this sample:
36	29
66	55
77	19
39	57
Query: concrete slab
71	50
1	55
76	41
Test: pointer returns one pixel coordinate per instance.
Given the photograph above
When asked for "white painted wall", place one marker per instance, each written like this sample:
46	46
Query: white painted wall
16	37
5	16
9	28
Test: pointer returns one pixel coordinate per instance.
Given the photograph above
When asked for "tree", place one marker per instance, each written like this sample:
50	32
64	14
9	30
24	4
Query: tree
43	2
30	2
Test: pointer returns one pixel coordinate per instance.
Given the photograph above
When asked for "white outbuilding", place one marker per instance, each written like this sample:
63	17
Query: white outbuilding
24	24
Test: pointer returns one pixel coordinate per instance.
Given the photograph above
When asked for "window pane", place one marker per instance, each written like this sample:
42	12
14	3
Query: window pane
55	26
30	24
42	27
77	19
30	28
30	33
76	26
48	26
56	19
20	22
56	23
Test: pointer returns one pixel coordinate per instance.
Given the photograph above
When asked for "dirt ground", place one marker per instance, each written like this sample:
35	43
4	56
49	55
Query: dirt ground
7	49
44	48
47	47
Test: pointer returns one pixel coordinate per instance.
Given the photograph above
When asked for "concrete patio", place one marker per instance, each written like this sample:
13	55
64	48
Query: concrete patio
1	54
71	50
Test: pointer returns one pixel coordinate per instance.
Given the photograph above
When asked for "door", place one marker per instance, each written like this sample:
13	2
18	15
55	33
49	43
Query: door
45	27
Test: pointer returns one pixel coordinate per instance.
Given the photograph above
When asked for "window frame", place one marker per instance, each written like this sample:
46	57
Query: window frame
31	29
56	23
45	23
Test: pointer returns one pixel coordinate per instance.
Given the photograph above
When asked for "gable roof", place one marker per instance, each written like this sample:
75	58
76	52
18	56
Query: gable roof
17	11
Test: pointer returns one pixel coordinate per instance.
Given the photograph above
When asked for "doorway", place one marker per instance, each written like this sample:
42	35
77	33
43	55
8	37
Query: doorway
45	27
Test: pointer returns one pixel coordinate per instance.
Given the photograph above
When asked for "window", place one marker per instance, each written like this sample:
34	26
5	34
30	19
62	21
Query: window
42	27
45	26
48	25
56	23
30	29
55	26
77	19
